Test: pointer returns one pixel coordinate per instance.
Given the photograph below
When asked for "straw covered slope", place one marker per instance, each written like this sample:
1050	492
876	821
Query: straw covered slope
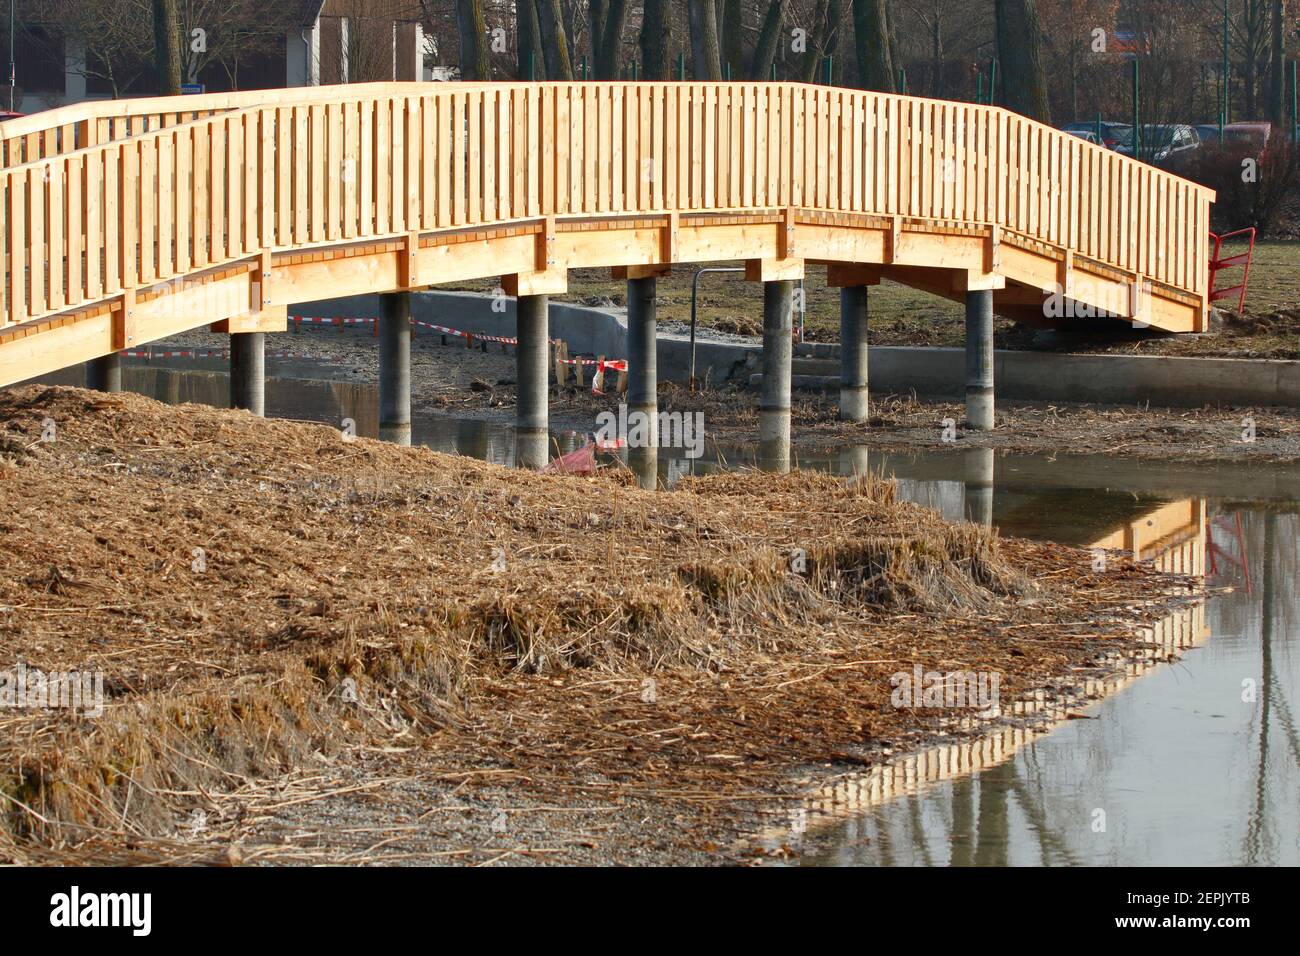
229	575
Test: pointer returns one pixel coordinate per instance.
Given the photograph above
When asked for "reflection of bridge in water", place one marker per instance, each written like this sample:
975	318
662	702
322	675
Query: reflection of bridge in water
1173	537
1196	764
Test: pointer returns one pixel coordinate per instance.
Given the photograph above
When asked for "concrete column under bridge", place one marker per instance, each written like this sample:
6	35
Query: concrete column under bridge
104	374
248	371
395	368
643	379
532	373
854	402
778	353
979	359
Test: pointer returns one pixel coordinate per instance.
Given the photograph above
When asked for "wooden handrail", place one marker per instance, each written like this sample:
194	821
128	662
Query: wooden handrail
304	168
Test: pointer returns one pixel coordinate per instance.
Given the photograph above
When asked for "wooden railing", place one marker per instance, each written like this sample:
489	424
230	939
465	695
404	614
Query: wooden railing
100	199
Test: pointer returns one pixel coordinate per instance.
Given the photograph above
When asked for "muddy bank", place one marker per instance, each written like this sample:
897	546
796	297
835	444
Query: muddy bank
480	384
316	648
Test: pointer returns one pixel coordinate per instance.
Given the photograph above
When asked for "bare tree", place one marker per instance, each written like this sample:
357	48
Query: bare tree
1020	39
473	40
825	38
656	39
607	45
555	40
225	32
167	47
115	36
768	39
871	35
731	35
1277	67
705	56
529	40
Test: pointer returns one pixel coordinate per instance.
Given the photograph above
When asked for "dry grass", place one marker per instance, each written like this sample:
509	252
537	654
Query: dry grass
475	607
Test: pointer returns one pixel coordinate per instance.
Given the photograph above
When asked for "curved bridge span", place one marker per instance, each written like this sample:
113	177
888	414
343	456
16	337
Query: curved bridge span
128	221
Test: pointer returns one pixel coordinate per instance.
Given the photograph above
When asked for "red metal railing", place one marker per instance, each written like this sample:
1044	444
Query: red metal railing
1218	264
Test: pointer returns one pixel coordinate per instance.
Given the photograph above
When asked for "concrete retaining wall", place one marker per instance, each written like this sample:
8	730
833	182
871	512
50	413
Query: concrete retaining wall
930	372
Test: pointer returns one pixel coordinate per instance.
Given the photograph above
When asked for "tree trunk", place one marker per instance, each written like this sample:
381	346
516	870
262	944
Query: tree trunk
936	54
656	39
608	53
555	43
1020	60
826	39
768	40
595	23
473	40
732	37
530	40
166	47
704	40
871	38
1277	111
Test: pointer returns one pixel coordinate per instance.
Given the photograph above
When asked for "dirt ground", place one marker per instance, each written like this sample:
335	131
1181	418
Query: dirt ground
321	649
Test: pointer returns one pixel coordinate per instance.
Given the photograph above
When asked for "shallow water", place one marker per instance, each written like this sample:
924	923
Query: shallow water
1197	762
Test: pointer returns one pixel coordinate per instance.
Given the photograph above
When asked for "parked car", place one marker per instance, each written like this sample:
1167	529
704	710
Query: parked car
9	114
1087	135
1249	138
1163	144
1111	133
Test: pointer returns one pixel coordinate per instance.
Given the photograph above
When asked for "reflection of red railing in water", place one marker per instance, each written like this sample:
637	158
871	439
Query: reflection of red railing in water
1232	526
1218	264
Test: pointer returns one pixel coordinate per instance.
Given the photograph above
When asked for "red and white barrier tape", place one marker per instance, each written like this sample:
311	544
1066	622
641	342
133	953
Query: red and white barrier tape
612	365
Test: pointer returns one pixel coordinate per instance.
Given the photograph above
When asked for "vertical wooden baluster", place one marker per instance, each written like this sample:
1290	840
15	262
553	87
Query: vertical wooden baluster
234	176
541	135
39	255
167	193
442	123
92	200
398	195
16	192
216	211
129	184
429	160
112	222
491	140
57	253
352	171
458	158
74	226
283	175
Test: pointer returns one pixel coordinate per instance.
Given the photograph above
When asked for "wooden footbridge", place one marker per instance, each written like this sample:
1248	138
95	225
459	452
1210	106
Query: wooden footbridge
123	222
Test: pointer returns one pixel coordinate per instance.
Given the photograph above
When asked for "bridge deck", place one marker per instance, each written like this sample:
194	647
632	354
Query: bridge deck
124	222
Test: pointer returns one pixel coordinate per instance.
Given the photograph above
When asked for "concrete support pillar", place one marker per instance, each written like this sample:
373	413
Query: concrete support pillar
778	354
248	371
642	382
642	355
977	472
395	368
532	373
104	374
979	359
854	404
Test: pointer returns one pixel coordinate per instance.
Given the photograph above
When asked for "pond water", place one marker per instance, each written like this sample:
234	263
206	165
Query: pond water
1197	762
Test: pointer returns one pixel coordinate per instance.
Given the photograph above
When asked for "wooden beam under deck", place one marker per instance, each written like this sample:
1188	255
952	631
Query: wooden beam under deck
946	263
